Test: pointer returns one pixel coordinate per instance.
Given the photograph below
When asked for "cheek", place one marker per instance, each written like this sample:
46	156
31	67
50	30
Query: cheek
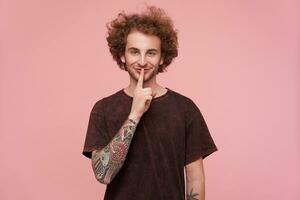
154	61
133	60
129	58
156	58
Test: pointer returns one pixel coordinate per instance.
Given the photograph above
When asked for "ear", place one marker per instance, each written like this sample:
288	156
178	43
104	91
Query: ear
122	58
161	61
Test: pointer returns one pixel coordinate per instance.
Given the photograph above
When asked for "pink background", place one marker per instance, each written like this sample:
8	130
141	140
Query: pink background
238	60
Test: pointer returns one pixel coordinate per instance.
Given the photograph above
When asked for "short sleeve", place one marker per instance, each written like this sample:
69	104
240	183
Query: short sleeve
96	135
199	142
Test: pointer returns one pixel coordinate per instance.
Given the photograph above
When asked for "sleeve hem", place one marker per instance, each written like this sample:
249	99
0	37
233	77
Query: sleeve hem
87	152
198	155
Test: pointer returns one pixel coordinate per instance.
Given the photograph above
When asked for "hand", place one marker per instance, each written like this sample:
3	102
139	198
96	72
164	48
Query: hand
142	98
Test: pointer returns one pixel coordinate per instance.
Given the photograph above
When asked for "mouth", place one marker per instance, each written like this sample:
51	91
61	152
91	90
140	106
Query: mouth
139	70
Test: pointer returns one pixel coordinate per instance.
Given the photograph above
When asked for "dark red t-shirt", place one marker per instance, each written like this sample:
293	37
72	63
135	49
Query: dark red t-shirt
170	135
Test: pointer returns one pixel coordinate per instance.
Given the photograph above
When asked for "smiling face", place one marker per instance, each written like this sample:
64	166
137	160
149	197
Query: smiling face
142	51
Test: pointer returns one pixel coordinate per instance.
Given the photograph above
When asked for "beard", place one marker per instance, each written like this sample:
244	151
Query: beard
148	74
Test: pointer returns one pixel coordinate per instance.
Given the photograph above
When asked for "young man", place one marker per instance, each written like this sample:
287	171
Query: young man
141	138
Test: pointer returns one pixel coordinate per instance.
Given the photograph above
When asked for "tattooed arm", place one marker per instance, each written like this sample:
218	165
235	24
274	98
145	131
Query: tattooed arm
108	161
195	180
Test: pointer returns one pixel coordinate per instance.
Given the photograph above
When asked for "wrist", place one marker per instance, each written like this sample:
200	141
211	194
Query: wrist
134	117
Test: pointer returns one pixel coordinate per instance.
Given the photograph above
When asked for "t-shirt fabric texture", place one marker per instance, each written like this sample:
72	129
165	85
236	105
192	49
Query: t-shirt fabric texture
171	134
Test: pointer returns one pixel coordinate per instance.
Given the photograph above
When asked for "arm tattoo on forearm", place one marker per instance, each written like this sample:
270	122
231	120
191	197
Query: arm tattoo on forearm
109	160
192	196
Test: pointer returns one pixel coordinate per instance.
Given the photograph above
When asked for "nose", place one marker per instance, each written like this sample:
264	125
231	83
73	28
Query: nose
142	60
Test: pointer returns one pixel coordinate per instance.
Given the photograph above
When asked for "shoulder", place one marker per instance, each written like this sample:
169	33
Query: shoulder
100	104
184	100
179	96
188	105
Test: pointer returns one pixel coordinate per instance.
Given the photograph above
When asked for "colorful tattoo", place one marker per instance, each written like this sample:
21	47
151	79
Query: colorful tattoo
192	196
109	160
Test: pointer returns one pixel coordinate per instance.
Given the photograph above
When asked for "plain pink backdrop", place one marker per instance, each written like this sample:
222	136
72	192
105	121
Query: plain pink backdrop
238	60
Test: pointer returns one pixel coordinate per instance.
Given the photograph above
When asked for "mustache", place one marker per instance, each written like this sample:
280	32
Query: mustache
142	68
139	67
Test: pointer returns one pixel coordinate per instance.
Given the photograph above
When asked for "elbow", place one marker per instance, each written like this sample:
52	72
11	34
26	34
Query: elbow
102	180
100	173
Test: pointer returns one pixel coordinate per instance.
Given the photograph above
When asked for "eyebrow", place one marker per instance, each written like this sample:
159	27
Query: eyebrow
133	48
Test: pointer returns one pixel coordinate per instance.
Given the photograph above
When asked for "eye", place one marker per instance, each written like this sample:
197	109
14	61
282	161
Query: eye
133	52
152	53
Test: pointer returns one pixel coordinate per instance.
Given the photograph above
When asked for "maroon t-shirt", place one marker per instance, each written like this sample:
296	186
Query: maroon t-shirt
170	135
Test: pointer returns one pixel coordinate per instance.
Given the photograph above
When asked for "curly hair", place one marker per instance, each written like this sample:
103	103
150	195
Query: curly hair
153	21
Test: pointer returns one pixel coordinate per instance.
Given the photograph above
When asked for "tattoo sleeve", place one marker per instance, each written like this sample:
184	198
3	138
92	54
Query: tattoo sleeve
108	161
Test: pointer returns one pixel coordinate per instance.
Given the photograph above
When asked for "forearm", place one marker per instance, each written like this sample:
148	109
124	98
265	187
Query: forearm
195	190
108	161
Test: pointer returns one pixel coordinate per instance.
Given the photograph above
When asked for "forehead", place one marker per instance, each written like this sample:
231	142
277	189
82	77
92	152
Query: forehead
142	41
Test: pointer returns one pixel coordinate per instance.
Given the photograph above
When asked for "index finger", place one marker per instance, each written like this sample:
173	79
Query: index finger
141	79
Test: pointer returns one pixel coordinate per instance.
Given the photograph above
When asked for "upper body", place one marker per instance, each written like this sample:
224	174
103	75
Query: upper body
170	136
141	138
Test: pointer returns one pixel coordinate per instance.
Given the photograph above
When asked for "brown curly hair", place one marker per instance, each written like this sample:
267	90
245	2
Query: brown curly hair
153	21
